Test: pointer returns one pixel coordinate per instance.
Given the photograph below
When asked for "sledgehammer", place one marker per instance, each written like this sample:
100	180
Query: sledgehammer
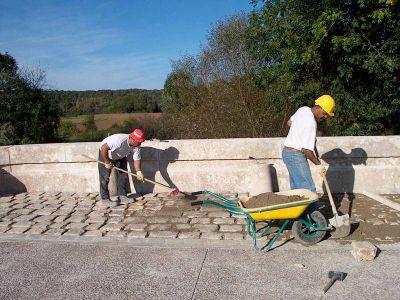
334	275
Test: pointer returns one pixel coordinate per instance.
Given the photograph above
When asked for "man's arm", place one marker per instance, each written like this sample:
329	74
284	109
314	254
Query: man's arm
104	152
311	156
138	165
289	123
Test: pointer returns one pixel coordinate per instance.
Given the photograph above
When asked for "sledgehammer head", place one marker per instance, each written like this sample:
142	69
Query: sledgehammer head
337	275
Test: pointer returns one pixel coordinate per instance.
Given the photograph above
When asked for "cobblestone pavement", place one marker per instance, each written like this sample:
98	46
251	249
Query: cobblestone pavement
162	216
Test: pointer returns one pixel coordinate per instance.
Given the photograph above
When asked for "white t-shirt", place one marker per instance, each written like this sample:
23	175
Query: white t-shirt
303	130
119	147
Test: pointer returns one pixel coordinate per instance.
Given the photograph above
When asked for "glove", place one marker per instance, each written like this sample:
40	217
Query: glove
321	170
139	175
109	166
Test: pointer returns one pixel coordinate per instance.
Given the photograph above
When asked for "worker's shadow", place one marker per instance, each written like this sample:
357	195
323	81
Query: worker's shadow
340	176
154	160
10	184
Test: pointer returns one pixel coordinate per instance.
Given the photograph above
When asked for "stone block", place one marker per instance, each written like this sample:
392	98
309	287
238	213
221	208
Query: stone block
163	234
363	250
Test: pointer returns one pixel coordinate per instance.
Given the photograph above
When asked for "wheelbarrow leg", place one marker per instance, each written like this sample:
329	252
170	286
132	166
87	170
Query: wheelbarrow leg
269	244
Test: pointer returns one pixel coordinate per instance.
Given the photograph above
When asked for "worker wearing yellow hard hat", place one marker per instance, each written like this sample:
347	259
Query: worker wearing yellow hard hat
300	142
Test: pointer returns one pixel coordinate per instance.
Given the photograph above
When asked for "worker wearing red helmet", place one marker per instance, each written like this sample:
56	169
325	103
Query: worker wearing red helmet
113	152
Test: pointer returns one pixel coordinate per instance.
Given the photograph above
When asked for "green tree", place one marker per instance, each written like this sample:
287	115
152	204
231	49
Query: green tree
349	49
28	114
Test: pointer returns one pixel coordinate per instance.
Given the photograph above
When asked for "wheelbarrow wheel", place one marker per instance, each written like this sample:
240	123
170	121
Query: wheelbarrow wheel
305	231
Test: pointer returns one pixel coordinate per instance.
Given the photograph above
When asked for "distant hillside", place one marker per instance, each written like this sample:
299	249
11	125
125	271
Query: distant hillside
73	103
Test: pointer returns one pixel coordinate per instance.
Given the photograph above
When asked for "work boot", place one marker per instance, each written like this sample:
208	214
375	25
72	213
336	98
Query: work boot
108	203
125	200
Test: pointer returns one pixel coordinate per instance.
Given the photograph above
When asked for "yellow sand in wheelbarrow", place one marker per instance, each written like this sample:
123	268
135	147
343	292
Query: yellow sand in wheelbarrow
308	227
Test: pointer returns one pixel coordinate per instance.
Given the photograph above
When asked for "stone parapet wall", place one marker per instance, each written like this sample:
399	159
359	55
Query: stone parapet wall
354	164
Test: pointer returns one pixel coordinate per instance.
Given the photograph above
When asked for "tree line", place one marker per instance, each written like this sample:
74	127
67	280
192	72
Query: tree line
73	103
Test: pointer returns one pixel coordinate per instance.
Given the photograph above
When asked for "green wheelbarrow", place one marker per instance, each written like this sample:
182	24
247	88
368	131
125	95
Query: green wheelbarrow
307	227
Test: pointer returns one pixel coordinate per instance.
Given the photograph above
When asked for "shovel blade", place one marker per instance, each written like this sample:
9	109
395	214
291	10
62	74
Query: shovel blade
342	226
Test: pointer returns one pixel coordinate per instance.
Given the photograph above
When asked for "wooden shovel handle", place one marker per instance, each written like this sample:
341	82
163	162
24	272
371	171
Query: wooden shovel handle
127	172
328	190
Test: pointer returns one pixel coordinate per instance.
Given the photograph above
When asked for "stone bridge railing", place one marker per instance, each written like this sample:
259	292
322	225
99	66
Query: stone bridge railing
354	164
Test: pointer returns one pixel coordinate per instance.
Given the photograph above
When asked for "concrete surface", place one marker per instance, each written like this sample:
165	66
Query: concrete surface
355	164
51	269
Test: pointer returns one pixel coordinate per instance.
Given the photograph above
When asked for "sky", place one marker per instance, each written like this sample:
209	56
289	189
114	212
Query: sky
121	44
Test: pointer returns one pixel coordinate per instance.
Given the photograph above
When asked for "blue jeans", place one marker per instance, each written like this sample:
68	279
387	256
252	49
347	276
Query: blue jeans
299	170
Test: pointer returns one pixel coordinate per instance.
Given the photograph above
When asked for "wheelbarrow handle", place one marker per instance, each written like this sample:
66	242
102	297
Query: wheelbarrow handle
194	203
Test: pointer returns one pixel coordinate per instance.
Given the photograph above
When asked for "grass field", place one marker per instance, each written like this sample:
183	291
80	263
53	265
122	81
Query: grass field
104	121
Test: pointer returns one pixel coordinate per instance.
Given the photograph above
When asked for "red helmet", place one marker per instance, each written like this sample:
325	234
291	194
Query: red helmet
137	135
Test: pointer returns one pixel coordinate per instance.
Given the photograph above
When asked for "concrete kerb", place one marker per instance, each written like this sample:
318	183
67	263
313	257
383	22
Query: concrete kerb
326	245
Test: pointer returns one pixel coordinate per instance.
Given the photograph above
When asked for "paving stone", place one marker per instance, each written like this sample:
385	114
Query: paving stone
241	221
17	229
77	219
182	220
23	218
206	227
9	217
224	221
23	211
42	218
145	213
135	208
211	235
60	219
152	227
135	227
36	230
231	228
233	236
4	228
58	225
97	213
73	225
20	205
157	220
96	220
115	220
153	208
210	208
200	221
169	213
189	235
5	224
219	214
74	232
137	234
5	199
23	224
120	234
163	234
44	212
116	216
93	233
34	206
194	214
135	220
93	226
183	226
112	227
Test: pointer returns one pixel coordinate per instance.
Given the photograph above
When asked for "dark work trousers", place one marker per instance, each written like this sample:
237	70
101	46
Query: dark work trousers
104	175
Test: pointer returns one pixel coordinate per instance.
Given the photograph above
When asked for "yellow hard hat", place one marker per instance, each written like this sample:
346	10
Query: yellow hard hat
327	103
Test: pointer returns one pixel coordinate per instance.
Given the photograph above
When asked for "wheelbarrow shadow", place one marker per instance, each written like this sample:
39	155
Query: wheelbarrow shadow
154	160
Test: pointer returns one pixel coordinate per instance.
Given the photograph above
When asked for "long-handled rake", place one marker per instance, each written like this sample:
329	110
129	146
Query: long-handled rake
175	192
